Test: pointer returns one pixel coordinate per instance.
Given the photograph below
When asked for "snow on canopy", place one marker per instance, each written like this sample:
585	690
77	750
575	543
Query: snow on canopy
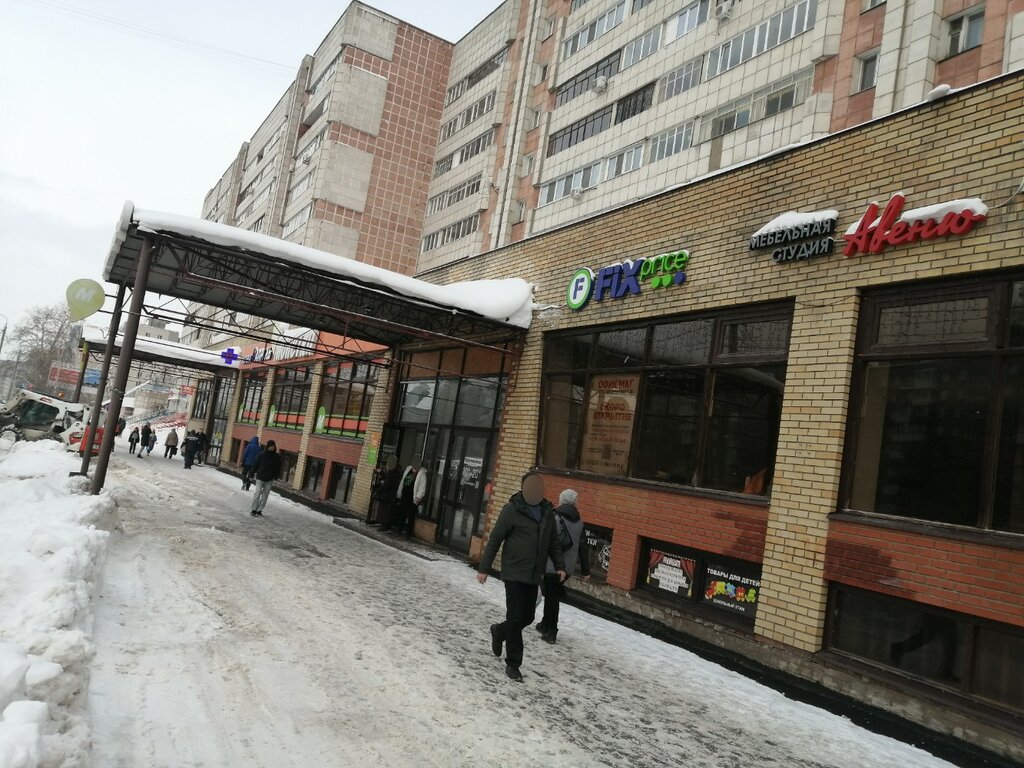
930	212
160	348
505	301
792	219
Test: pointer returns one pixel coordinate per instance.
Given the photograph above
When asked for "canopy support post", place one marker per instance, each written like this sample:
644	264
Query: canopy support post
101	385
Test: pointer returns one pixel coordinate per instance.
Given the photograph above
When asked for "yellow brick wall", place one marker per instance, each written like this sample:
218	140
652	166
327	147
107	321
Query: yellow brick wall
362	484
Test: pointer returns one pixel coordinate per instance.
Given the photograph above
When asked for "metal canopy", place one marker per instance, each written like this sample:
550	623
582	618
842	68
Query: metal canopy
167	353
240	279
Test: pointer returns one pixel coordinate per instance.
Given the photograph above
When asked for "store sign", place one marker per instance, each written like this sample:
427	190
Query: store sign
797	236
259	355
875	232
629	278
670	573
609	427
599	539
728	588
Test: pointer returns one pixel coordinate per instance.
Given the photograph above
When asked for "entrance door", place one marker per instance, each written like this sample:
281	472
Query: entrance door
462	490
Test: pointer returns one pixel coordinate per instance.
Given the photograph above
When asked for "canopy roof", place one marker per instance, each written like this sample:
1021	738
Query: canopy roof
149	350
238	270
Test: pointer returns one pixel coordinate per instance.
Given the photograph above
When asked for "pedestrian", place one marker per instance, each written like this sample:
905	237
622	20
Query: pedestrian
152	442
575	549
189	446
144	438
133	440
249	456
171	444
119	429
204	443
386	494
525	530
266	471
412	489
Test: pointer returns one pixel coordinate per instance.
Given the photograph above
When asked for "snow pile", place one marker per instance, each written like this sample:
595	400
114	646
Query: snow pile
796	219
50	553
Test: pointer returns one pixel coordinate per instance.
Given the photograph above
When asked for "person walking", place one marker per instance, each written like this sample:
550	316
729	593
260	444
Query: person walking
144	436
204	443
119	429
266	470
133	440
412	489
386	494
249	456
189	447
525	531
152	442
171	444
573	542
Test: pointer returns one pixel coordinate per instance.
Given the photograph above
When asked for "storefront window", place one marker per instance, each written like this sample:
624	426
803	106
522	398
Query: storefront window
1017	316
291	398
289	461
345	399
477	402
201	405
934	645
341	482
314	475
938	430
251	400
654	402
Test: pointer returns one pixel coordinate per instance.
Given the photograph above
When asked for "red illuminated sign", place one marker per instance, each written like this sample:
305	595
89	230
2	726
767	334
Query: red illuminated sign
874	233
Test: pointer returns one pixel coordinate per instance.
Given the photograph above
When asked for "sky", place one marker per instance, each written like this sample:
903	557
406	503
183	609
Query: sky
103	101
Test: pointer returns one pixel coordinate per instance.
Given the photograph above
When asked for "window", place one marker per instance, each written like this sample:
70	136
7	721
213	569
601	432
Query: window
562	187
585	80
547	28
769	34
290	397
642	47
671	142
345	399
625	161
454	195
639	5
679	80
296	221
867	70
456	91
980	659
464	153
289	461
688	20
201	403
938	427
632	105
694	401
296	189
776	98
577	4
526	165
341	482
314	475
250	402
468	116
452	232
604	23
965	31
259	225
869	4
581	130
736	117
309	150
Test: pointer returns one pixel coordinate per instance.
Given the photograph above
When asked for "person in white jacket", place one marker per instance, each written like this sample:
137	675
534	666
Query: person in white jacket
412	490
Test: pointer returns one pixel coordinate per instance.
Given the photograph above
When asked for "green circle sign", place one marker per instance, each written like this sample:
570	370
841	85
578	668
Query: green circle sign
580	287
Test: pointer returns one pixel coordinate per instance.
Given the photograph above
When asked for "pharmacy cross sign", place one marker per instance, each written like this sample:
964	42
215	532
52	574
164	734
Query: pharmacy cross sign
229	355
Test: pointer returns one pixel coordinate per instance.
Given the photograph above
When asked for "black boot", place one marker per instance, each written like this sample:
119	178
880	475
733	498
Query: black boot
513	673
496	640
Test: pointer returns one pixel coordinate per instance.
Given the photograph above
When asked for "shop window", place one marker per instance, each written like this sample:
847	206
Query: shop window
251	400
477	401
289	461
314	475
290	398
652	402
201	403
236	452
417	402
341	482
599	539
977	658
937	431
345	399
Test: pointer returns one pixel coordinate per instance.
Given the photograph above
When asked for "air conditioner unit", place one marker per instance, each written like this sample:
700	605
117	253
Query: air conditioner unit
723	10
576	193
601	84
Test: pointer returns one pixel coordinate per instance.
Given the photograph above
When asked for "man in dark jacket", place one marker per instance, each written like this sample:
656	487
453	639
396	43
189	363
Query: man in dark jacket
526	532
574	549
204	444
266	470
189	446
386	494
144	444
249	456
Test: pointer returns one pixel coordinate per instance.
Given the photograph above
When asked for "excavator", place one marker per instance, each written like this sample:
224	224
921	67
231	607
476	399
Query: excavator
29	415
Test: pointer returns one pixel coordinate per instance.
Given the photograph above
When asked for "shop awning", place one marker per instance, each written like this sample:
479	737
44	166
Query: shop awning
159	351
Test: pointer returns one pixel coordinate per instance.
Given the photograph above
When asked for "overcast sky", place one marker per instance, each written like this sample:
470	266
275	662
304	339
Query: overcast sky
103	101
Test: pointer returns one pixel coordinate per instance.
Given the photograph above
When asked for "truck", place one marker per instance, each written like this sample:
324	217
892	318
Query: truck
29	415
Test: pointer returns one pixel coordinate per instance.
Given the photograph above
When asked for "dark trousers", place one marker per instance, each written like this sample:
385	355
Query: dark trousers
248	471
520	608
170	451
189	458
554	592
406	517
131	446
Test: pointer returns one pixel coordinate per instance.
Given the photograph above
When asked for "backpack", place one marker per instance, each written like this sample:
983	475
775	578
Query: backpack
564	537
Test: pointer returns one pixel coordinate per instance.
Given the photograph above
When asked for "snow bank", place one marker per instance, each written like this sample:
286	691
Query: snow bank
50	554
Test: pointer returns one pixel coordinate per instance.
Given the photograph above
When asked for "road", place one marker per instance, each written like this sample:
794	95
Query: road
289	641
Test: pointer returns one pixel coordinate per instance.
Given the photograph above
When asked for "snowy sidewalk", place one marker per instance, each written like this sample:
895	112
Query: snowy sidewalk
289	641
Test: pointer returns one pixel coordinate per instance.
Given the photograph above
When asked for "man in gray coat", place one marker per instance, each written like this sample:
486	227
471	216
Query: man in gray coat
569	525
526	531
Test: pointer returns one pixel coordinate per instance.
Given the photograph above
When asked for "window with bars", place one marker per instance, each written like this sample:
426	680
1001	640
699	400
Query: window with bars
581	130
633	104
201	402
769	34
585	80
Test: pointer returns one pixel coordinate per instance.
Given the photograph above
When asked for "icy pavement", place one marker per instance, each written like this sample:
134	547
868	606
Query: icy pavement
289	641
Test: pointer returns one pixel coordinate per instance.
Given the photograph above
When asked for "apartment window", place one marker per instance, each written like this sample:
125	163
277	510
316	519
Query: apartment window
577	4
526	165
632	105
314	475
464	153
679	80
547	28
867	70
639	5
250	403
585	80
697	400
671	142
592	31
625	161
290	397
452	232
939	427
305	157
686	21
259	225
562	187
769	34
581	130
296	189
454	195
869	4
456	91
965	31
642	47
780	100
296	221
345	399
468	116
341	482
980	659
201	401
778	97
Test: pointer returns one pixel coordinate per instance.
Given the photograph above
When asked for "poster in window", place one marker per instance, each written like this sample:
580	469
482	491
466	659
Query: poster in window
670	572
611	412
732	589
599	539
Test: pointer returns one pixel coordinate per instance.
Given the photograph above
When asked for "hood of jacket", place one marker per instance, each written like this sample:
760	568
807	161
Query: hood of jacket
254	440
569	512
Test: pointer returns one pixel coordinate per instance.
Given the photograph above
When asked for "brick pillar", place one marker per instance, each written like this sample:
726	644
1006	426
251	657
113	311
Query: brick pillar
805	491
268	395
232	415
307	428
380	411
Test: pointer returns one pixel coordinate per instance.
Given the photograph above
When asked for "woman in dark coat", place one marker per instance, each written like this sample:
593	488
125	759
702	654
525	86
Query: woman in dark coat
387	493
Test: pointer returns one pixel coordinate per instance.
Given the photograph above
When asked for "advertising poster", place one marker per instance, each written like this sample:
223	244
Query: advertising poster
670	573
611	412
731	589
600	541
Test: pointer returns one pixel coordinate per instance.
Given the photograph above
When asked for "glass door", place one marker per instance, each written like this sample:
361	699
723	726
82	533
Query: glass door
462	490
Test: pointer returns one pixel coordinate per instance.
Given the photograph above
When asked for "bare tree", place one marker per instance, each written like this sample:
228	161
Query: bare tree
43	338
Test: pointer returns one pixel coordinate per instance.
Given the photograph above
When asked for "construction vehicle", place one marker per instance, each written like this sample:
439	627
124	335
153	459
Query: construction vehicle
31	416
